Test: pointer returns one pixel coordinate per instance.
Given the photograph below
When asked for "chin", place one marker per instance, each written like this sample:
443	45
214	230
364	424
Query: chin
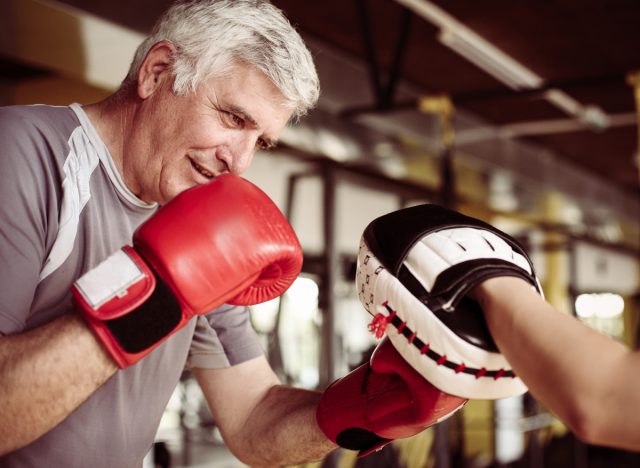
176	190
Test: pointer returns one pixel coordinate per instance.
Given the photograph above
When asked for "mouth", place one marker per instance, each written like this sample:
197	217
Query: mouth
201	170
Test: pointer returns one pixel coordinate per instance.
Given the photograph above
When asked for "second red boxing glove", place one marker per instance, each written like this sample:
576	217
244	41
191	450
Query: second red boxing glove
223	242
382	400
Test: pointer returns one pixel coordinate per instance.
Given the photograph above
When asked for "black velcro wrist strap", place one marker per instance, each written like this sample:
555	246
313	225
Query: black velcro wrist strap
153	320
459	279
463	314
355	438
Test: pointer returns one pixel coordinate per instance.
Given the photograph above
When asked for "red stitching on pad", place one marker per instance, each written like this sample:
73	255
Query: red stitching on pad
379	324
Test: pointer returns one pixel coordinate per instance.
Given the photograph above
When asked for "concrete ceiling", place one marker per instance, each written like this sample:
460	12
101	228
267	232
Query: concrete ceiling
583	50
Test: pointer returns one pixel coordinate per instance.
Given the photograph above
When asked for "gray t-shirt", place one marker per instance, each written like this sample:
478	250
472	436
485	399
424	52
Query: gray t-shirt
63	209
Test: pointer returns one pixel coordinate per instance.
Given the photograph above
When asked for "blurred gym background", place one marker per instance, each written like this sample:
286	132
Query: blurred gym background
521	113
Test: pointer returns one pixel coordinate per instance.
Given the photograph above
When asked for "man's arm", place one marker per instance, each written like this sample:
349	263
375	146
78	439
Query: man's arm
263	423
590	381
46	373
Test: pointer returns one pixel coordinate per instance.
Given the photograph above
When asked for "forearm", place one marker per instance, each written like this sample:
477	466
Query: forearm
569	367
282	429
46	373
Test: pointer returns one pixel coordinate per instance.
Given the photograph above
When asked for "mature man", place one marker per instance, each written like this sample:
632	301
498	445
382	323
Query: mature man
129	244
214	82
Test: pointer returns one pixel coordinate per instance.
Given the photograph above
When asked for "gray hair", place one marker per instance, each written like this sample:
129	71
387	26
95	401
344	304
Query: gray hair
211	36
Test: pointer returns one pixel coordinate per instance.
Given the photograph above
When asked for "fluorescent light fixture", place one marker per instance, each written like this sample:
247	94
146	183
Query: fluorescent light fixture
470	45
474	47
563	101
604	305
264	315
490	59
302	298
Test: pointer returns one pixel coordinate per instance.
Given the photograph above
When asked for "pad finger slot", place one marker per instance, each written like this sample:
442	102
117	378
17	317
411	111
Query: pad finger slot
475	244
500	248
425	264
504	251
443	246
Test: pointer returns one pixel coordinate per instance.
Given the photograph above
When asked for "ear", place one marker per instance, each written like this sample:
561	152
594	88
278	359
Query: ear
155	68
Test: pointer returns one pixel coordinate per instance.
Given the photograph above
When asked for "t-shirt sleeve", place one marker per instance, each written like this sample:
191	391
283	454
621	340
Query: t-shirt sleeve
24	207
223	338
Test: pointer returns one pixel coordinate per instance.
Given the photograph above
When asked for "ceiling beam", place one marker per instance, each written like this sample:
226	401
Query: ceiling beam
488	57
539	127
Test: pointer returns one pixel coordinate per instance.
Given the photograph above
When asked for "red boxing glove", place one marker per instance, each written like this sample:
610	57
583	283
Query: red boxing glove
380	401
223	242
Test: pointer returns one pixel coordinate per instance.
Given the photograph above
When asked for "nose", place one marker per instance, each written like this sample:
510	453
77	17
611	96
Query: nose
243	151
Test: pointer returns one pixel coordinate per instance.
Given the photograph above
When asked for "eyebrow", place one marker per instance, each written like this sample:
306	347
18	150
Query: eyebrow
271	142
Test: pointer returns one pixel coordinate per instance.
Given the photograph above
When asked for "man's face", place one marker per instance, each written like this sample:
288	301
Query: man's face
178	142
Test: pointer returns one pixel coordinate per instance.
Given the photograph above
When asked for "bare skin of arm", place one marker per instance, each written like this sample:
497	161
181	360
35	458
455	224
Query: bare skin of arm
263	423
590	381
46	373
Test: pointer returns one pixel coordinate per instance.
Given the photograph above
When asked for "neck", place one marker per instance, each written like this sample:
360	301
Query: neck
112	119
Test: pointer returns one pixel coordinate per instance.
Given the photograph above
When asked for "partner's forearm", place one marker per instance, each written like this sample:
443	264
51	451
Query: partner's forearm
46	373
572	369
283	429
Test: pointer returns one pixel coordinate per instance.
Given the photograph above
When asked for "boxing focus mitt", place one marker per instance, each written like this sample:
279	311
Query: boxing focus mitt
222	242
416	267
382	400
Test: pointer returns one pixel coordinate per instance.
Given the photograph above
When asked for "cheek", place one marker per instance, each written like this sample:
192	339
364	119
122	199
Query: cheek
174	125
173	180
202	134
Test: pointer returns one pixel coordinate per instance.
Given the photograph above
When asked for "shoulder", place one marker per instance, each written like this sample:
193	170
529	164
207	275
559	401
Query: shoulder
36	129
34	139
30	117
34	147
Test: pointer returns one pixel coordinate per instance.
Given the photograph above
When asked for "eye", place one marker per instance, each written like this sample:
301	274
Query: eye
263	144
237	120
233	120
